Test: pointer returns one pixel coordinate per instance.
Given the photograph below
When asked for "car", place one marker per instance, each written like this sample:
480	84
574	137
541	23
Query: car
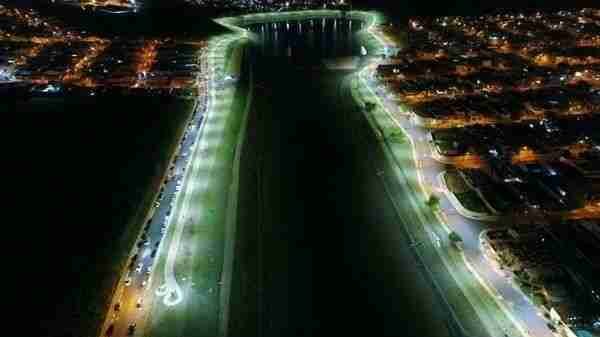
148	270
138	304
128	281
131	329
146	242
144	283
138	269
153	254
117	307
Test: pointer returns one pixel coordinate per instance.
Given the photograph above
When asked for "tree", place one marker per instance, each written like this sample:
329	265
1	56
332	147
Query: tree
369	106
396	136
433	201
455	239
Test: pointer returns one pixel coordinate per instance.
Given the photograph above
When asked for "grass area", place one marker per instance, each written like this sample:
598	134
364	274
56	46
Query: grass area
467	197
234	59
455	182
471	201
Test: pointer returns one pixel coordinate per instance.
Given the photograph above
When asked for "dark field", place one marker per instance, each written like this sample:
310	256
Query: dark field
89	163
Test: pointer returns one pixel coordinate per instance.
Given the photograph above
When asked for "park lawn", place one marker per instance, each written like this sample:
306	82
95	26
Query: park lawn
472	202
455	182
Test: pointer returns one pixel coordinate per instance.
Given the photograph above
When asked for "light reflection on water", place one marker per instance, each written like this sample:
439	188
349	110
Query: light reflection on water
308	39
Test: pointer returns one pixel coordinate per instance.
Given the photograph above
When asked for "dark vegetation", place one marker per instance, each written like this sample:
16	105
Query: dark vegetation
89	164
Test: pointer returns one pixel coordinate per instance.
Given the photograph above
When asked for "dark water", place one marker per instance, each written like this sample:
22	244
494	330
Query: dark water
319	249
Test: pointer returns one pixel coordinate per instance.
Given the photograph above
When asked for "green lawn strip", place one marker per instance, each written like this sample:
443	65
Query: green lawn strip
241	109
203	316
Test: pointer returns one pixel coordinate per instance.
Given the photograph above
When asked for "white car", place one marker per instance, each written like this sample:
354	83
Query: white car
138	269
